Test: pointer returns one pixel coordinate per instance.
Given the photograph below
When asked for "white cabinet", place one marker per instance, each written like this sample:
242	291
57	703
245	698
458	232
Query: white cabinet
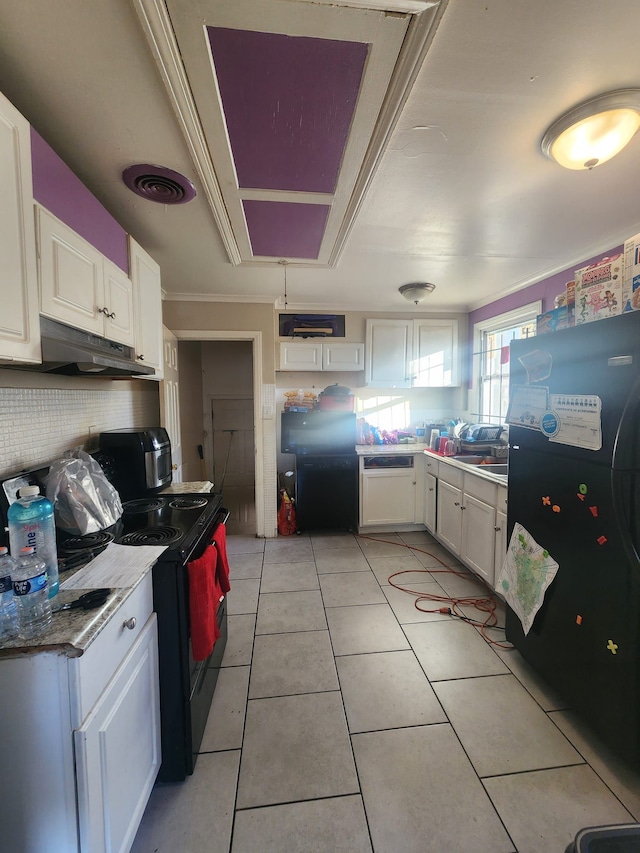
430	501
85	746
391	490
468	522
449	525
147	294
79	286
412	353
118	751
329	356
19	324
388	353
501	532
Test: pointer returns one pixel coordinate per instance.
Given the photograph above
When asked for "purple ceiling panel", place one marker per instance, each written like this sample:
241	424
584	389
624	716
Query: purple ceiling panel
288	103
279	229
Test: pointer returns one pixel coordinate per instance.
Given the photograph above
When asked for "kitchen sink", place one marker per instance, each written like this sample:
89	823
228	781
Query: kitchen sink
468	459
495	469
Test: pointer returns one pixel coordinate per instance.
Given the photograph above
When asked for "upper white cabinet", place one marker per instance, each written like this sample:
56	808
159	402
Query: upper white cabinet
19	324
79	286
412	353
317	355
147	295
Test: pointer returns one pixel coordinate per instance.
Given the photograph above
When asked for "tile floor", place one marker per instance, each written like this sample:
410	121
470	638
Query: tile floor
346	720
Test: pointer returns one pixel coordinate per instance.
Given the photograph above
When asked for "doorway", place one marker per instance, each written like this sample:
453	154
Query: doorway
232	443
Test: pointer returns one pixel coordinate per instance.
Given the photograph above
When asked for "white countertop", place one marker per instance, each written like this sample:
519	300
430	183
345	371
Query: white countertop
389	449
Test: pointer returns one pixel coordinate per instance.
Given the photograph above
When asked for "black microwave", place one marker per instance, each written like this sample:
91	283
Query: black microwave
318	433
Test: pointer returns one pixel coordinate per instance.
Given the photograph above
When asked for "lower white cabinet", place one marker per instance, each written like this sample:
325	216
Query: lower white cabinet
430	501
83	743
391	490
471	519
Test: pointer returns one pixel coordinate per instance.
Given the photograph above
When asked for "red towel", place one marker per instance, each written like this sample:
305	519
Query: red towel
204	596
222	567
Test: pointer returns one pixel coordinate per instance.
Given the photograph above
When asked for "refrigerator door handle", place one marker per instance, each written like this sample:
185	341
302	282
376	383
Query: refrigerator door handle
625	443
624	488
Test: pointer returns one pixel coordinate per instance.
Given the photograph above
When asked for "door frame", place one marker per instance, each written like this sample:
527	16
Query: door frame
256	340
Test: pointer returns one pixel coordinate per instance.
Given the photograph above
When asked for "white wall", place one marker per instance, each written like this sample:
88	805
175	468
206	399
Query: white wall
42	416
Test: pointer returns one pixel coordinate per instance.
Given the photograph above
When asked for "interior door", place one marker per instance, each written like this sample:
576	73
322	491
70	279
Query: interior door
233	448
170	402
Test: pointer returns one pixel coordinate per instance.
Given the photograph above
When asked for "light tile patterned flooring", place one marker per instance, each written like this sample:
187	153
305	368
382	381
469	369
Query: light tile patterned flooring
346	720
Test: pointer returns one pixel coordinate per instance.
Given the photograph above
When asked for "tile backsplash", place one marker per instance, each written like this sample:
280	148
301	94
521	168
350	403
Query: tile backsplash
39	424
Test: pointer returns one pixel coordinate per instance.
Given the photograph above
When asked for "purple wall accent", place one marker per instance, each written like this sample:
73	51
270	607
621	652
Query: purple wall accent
60	191
288	103
280	229
546	290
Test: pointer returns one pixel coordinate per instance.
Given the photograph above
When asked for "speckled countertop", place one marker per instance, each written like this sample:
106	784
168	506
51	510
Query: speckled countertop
71	631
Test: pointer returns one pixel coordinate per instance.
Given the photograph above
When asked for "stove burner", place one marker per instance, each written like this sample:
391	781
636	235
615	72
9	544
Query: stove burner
152	536
142	505
88	542
188	503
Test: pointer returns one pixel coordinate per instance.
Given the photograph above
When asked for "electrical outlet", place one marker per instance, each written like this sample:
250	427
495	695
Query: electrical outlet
93	429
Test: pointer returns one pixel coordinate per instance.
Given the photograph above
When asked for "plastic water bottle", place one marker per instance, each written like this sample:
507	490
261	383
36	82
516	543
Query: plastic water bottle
32	594
31	525
8	624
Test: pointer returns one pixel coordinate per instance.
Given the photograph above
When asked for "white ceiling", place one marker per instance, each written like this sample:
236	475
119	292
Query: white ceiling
462	196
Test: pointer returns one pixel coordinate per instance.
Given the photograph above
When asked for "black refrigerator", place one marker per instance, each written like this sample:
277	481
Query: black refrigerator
574	485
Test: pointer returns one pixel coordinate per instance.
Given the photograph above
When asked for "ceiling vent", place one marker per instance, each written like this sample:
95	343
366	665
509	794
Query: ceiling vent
156	183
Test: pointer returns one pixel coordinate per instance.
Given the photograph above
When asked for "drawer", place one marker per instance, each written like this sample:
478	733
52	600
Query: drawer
480	488
431	465
92	671
450	474
502	498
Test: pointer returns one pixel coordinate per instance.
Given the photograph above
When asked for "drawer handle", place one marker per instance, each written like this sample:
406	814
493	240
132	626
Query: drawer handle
457	503
129	623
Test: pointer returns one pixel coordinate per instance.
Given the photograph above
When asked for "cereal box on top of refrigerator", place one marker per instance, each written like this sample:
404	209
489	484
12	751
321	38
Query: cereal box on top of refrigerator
631	284
599	290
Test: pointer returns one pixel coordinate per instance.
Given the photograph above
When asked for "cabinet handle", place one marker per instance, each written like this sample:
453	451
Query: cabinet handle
430	488
140	357
109	315
413	483
129	623
497	529
463	507
112	316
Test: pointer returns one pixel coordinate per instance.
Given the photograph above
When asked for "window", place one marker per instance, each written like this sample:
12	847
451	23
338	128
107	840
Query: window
491	340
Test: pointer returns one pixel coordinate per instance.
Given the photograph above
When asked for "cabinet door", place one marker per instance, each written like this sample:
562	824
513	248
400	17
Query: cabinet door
19	324
449	516
500	543
118	297
118	751
71	276
388	353
478	537
342	356
430	498
147	308
435	353
170	401
388	496
300	355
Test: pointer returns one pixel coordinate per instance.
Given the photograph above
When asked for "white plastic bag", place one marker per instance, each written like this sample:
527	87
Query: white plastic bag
84	501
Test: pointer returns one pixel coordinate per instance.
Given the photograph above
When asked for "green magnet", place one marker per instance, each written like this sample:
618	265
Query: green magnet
582	488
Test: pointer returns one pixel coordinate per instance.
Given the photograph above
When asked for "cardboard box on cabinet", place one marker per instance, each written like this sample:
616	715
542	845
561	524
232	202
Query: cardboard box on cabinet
599	290
631	284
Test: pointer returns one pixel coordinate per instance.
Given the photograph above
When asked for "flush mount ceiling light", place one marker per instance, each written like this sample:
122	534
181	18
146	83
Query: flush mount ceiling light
157	183
416	291
594	131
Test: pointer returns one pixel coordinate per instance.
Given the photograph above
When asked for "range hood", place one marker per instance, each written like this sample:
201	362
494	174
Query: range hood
73	352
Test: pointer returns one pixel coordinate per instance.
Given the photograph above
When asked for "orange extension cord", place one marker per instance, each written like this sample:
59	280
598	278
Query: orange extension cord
486	604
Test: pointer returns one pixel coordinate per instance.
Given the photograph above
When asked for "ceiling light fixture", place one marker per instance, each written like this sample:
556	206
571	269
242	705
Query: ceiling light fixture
416	291
594	131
